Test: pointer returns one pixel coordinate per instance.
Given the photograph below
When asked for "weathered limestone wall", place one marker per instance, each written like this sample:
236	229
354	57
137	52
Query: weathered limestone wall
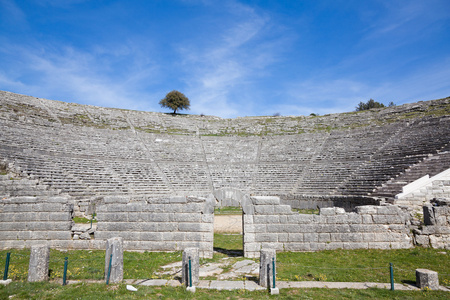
164	224
436	229
27	221
168	224
274	225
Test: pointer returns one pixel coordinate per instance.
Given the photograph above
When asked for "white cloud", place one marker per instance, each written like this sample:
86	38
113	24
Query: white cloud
218	76
324	95
87	76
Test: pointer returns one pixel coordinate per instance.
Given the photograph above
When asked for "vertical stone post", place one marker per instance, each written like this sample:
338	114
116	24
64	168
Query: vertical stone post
39	260
265	267
114	246
195	266
427	278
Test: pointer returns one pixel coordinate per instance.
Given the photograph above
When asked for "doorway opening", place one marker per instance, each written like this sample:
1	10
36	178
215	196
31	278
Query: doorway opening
228	231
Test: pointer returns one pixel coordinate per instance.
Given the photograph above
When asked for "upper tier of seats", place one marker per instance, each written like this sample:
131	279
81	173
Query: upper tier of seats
89	151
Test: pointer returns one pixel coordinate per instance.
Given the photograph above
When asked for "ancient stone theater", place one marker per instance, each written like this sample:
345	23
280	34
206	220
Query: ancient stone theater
380	178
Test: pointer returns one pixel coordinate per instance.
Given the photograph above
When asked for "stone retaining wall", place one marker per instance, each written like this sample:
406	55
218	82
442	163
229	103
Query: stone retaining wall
27	221
274	225
164	224
168	224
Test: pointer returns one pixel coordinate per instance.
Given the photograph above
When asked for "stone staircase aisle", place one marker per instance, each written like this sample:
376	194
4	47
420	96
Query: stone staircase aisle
431	165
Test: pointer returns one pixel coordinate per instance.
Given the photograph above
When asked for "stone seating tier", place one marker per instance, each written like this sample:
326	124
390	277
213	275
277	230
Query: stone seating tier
87	151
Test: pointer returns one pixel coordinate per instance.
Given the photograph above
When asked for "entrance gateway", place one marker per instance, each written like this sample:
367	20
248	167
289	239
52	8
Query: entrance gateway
230	197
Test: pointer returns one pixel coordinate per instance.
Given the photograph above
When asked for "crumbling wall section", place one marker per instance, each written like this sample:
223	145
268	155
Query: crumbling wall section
276	226
436	229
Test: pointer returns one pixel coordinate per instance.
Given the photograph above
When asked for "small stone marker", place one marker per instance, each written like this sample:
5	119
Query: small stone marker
265	267
195	266
39	260
114	246
427	278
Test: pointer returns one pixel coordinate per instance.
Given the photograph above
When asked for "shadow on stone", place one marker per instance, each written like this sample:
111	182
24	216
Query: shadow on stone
228	252
409	282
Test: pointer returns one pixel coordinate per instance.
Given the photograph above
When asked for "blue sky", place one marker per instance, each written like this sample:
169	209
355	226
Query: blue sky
230	58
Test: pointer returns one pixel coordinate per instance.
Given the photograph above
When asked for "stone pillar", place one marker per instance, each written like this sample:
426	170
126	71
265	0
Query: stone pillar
195	266
265	267
114	246
39	260
427	278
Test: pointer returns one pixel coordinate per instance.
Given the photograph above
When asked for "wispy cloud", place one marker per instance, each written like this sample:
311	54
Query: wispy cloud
88	76
322	95
11	12
218	75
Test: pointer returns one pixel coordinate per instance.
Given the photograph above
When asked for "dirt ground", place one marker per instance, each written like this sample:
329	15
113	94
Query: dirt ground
228	223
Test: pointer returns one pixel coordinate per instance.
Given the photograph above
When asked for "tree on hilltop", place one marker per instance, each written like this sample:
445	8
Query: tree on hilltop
371	104
176	101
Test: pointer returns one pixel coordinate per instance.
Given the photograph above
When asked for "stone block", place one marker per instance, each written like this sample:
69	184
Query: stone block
39	261
265	200
166	227
150	236
283	209
266	237
155	208
193	236
366	210
283	237
353	245
422	240
248	219
114	260
266	268
191	254
324	237
252	247
266	219
260	228
182	217
249	238
353	218
264	209
427	279
366	219
300	218
178	199
380	245
59	235
428	215
295	237
310	237
297	247
281	228
159	217
327	211
190	227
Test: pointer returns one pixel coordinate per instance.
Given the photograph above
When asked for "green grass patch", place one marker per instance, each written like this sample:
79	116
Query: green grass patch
88	264
336	265
231	242
82	220
228	210
95	291
306	211
362	265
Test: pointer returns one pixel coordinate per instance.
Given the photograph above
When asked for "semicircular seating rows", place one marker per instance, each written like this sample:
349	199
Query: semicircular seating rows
87	151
